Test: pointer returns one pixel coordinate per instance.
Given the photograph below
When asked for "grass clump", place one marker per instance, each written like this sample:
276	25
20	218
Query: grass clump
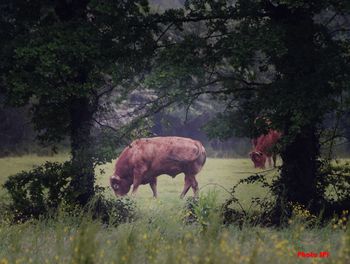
203	210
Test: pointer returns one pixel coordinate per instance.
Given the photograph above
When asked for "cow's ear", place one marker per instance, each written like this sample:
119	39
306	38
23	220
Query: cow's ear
250	154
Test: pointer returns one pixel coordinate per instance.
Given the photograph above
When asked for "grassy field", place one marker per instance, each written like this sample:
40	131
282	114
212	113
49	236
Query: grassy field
159	235
216	174
12	165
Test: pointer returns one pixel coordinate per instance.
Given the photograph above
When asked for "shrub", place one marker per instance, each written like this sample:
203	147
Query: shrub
336	185
112	211
333	187
260	211
45	189
39	191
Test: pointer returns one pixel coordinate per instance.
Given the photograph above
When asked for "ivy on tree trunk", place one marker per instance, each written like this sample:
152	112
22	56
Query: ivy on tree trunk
300	173
81	149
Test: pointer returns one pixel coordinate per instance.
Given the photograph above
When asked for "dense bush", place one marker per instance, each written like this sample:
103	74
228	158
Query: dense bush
46	190
39	191
333	186
338	182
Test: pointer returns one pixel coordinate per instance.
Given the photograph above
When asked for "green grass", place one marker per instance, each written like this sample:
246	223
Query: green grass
12	165
223	172
159	234
216	174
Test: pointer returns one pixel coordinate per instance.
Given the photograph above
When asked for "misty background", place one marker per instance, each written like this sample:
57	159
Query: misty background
18	137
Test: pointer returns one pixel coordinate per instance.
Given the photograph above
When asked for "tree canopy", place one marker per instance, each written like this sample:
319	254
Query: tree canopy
63	56
285	61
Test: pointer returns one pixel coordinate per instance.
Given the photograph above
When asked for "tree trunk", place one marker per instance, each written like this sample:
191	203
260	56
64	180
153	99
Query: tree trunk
298	182
299	174
81	151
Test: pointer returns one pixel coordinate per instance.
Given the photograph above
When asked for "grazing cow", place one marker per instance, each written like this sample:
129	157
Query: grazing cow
263	147
145	159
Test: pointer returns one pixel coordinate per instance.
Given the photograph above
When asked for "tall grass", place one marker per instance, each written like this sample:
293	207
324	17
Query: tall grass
160	235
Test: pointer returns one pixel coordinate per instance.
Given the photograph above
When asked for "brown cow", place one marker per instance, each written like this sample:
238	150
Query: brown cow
263	148
145	159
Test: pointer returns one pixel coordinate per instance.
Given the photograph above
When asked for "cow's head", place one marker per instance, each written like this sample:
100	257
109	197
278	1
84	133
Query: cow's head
120	186
258	159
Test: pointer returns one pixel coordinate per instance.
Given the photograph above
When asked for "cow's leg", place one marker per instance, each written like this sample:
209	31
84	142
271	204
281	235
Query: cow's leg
188	184
139	173
269	160
135	185
194	186
274	157
153	185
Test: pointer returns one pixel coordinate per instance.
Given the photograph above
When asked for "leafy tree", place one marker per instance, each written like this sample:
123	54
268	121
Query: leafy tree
287	61
63	57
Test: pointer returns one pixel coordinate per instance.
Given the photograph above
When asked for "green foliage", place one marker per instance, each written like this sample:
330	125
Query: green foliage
202	210
260	210
84	245
61	55
111	211
220	127
336	185
39	191
333	186
159	235
286	61
167	240
224	126
106	145
46	191
64	55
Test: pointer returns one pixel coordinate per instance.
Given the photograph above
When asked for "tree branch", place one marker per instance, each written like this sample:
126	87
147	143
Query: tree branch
164	32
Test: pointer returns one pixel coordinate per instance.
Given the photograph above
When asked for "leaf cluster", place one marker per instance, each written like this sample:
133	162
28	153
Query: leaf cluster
111	211
39	191
57	52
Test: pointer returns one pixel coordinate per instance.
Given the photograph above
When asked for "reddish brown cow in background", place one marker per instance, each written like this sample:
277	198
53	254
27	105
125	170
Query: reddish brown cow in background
145	159
263	148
